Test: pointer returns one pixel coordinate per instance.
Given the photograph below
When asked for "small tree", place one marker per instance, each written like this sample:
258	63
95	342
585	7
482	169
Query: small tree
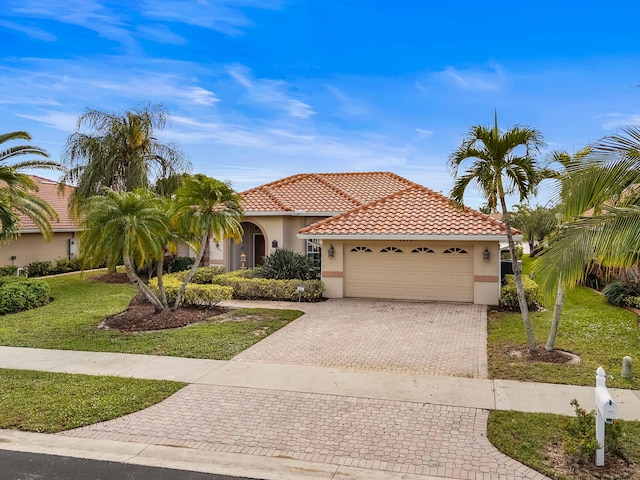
286	264
127	226
205	208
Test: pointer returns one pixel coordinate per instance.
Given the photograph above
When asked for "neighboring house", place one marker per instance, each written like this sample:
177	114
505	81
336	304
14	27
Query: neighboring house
30	246
376	235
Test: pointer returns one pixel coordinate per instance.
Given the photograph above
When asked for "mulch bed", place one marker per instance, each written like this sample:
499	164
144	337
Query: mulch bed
140	317
615	467
541	355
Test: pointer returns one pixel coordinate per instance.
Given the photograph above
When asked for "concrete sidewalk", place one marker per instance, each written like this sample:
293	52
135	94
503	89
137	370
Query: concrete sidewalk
439	422
453	391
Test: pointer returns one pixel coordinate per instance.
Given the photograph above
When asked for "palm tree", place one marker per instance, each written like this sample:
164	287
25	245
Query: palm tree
119	151
534	223
567	163
602	206
125	226
16	191
205	208
500	169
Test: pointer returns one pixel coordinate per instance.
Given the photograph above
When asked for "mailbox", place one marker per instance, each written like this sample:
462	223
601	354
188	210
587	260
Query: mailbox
605	404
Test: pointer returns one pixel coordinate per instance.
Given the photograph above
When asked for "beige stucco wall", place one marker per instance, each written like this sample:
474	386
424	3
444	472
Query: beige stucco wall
31	247
486	274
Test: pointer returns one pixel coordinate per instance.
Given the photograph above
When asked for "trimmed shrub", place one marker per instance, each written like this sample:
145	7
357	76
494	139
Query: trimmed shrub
509	293
269	289
195	294
8	270
630	301
285	264
203	275
179	264
39	269
617	292
20	294
65	265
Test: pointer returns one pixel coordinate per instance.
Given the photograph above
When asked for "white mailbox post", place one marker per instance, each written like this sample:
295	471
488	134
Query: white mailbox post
606	412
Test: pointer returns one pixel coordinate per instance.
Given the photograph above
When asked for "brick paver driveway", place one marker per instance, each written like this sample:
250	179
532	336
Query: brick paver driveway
408	337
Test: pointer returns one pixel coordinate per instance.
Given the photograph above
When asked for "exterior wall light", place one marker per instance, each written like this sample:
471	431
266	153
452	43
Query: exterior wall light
331	251
486	255
274	244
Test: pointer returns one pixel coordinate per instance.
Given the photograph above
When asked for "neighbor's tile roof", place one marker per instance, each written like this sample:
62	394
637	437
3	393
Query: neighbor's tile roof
323	192
48	190
415	210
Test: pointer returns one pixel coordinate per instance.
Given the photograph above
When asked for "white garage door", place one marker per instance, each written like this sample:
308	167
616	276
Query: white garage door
409	271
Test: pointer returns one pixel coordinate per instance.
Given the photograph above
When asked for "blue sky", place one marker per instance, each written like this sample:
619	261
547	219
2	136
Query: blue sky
261	89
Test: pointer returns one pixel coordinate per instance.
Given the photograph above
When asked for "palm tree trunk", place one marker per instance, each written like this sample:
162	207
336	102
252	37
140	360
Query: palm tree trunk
192	270
142	287
159	274
557	311
522	301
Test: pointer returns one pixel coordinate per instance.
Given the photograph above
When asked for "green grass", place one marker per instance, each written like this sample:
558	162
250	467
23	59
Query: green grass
71	321
599	333
51	402
527	437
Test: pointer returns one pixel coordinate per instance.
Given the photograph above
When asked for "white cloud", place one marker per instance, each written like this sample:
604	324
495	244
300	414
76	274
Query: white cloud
160	34
59	120
33	32
224	16
422	133
272	93
348	105
473	80
619	120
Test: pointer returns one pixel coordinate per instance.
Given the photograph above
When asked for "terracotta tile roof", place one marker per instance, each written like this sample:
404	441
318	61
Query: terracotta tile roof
416	210
48	190
323	192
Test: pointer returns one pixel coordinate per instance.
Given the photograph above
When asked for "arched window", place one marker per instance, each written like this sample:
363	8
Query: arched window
391	250
361	249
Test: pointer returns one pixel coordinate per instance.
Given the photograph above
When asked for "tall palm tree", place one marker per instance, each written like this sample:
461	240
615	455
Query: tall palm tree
205	208
602	205
131	227
535	223
503	164
119	151
17	189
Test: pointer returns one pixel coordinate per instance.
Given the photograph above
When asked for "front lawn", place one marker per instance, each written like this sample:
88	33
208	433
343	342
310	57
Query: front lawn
51	402
535	439
599	333
71	321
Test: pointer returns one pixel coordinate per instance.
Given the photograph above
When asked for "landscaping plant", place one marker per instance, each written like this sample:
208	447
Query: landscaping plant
285	264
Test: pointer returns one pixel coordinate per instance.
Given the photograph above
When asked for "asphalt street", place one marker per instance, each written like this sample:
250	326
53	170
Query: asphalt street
30	466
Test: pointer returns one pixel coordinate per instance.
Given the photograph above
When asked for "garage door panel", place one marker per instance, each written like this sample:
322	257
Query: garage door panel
412	276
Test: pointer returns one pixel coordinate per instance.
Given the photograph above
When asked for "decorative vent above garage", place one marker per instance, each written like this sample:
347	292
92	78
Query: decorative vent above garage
422	250
455	250
361	249
391	250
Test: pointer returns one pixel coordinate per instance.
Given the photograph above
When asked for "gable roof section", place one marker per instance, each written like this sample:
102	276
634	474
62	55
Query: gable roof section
327	193
415	212
59	201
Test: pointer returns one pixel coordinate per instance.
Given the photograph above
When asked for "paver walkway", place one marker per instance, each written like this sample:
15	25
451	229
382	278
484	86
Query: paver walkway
403	337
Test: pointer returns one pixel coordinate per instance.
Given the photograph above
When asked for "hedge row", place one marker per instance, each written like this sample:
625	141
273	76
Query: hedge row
509	293
18	294
195	294
266	289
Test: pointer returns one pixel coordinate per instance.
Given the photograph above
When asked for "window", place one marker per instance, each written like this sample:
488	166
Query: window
455	250
361	249
422	250
391	250
314	251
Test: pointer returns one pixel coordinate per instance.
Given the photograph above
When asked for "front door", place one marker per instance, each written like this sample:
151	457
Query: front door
258	249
